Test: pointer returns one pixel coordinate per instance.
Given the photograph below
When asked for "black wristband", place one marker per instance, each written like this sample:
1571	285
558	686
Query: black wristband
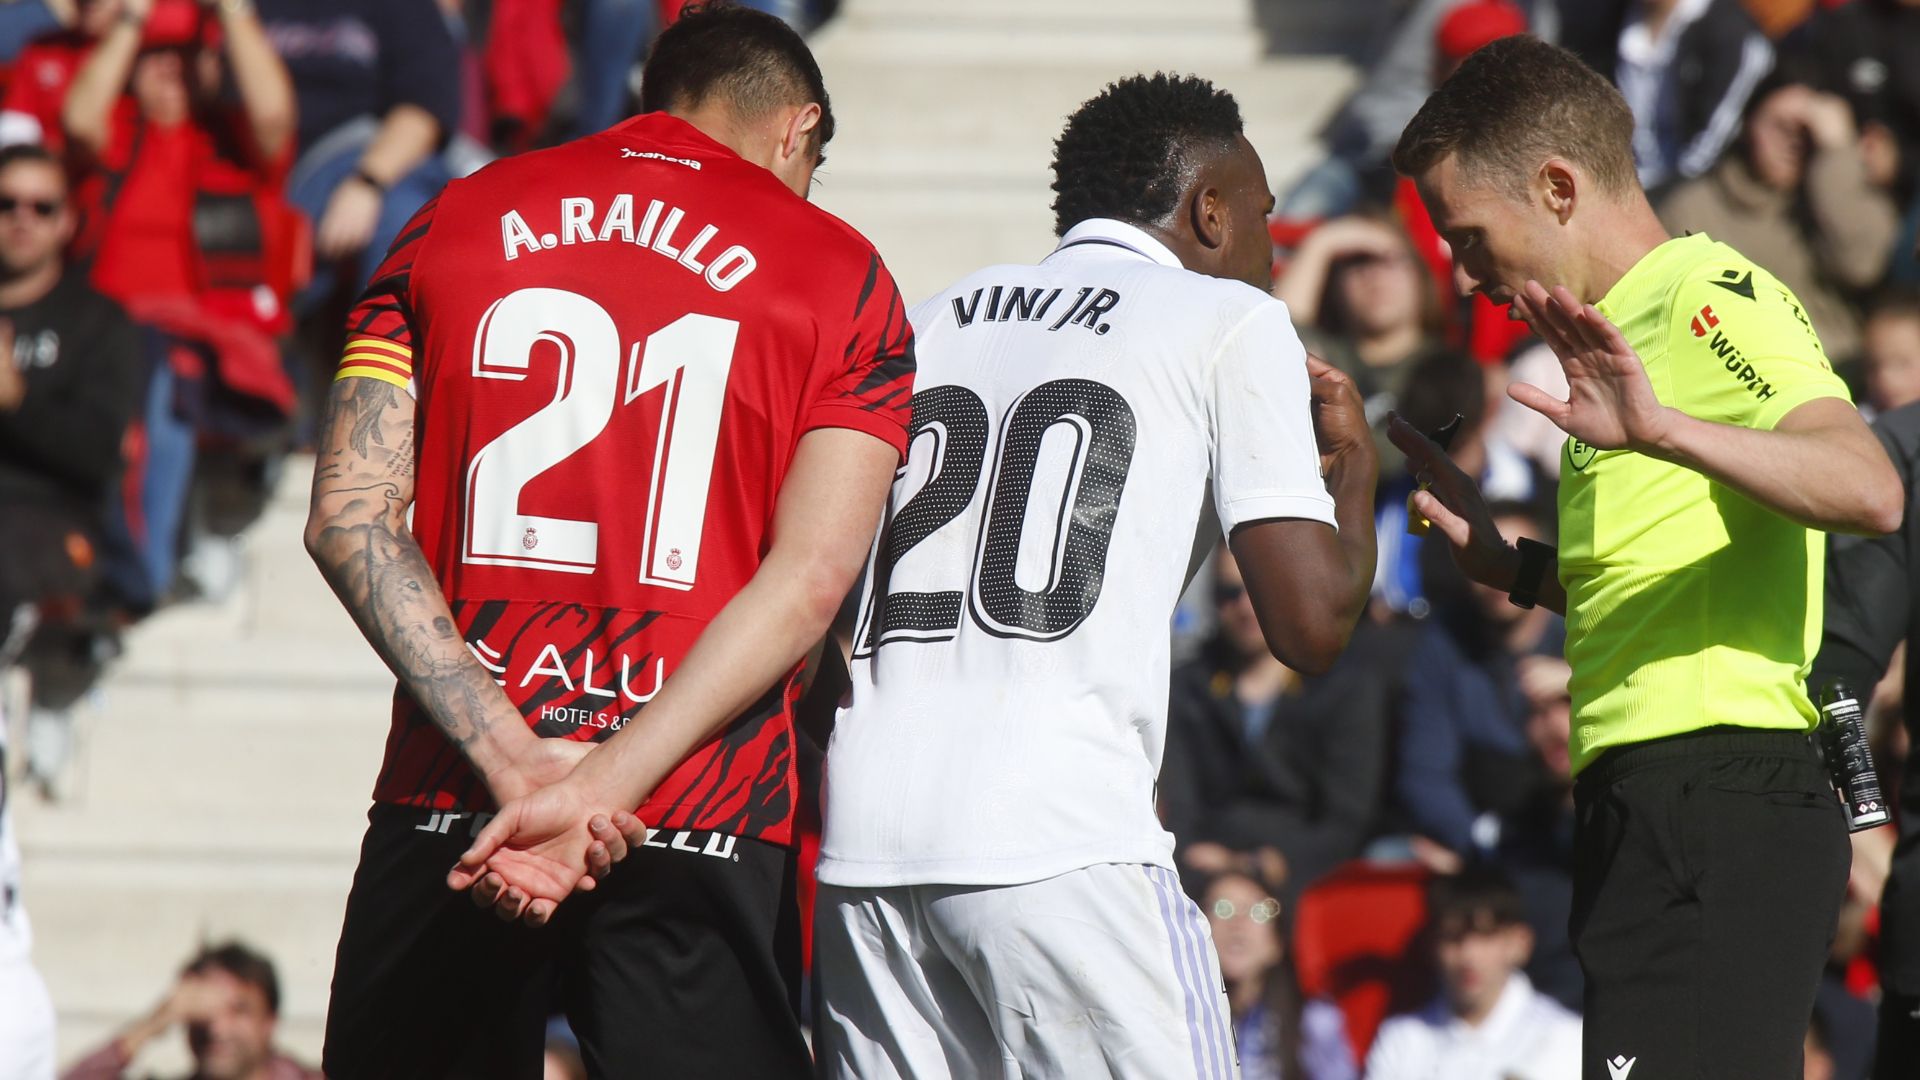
1534	557
361	174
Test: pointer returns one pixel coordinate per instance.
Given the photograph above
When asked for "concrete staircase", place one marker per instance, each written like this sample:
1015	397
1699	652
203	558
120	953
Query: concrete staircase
219	791
948	109
223	768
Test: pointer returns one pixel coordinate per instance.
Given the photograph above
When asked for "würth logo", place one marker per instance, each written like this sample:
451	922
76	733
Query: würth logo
1705	321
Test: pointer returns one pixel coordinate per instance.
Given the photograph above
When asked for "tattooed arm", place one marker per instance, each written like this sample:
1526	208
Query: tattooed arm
357	533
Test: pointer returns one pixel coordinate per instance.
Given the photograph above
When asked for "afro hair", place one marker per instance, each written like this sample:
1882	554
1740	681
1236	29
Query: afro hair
1125	154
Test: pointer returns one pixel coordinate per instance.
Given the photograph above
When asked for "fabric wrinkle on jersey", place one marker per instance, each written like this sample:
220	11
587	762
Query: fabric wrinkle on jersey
1008	711
616	345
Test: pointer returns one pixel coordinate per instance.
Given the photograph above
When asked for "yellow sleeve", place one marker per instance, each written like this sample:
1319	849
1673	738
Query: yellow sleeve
1742	349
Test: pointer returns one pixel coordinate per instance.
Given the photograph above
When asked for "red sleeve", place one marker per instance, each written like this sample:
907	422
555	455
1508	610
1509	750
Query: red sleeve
380	327
873	391
23	90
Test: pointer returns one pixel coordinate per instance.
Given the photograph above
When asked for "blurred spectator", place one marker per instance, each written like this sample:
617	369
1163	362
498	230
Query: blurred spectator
26	1019
526	63
1489	336
1277	1036
378	83
71	375
23	20
1446	384
1868	51
1686	68
1795	198
1398	79
1525	431
1259	757
1817	1060
1890	348
1488	1023
1366	306
1441	386
228	999
43	64
613	38
146	110
1536	839
1464	760
1870	609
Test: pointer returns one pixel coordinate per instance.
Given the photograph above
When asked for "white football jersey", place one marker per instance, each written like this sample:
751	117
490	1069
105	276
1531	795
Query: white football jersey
1010	666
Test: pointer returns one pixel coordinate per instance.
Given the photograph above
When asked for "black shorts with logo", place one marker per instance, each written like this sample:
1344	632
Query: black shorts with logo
1709	869
684	962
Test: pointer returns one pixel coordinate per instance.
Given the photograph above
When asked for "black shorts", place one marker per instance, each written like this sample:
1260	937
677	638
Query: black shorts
683	963
1708	875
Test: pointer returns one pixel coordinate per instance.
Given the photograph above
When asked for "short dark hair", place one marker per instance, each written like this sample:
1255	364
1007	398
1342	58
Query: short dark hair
751	60
20	153
1125	153
1479	897
242	963
1515	103
1441	385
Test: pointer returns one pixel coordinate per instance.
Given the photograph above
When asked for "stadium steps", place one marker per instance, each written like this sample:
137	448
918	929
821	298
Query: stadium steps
947	111
219	790
221	777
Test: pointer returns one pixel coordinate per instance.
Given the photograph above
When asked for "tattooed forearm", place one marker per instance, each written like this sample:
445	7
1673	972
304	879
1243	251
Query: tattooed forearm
357	534
384	580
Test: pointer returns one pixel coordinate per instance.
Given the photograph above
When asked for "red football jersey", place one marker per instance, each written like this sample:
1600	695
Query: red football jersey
616	345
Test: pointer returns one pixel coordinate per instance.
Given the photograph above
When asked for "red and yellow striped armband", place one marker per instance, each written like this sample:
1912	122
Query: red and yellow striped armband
376	358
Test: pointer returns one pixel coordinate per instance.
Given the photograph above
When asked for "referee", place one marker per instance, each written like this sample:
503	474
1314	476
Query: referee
1708	440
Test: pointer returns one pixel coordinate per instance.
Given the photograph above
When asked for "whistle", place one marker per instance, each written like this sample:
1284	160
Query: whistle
1417	524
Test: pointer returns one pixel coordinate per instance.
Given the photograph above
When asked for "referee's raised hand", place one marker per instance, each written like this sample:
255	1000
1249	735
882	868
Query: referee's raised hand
1610	401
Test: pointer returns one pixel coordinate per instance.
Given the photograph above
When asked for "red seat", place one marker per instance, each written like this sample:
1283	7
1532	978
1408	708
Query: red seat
1356	942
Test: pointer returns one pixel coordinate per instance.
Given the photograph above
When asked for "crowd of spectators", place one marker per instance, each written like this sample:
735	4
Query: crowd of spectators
192	191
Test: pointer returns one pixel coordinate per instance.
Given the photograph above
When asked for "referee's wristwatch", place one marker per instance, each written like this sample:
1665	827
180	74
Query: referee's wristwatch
1534	557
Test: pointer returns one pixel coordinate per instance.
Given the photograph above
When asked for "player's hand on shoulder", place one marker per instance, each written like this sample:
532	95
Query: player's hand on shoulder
540	849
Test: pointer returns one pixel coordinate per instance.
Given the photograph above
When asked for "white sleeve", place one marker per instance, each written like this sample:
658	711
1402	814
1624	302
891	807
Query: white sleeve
1265	461
1395	1054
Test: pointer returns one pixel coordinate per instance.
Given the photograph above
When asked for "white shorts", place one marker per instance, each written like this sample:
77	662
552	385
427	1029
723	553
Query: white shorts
1104	971
26	1023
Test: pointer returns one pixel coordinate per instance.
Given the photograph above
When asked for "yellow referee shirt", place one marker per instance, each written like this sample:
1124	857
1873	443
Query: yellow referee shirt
1688	605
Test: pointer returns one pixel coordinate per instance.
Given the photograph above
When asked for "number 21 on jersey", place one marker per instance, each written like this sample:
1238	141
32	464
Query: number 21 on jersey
690	356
